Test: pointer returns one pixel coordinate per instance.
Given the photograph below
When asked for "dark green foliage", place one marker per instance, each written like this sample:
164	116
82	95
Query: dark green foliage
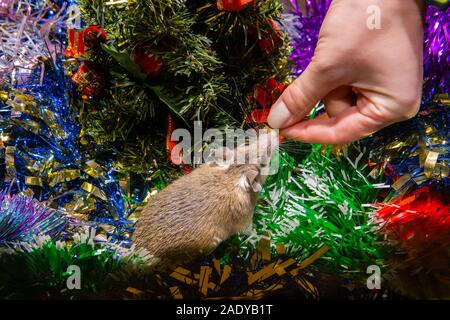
41	272
212	61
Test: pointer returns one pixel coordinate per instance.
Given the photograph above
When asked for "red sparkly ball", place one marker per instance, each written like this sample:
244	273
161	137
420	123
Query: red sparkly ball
90	81
149	62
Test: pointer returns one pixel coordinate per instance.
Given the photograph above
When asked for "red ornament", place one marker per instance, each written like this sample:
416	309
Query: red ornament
272	40
233	5
149	62
90	80
75	49
81	41
93	36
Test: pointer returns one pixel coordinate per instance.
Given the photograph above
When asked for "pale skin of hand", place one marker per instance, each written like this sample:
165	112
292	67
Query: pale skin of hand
367	79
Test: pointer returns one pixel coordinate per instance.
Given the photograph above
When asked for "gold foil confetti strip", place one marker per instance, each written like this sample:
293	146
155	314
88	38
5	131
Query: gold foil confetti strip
135	291
28	192
308	286
430	163
281	249
442	98
264	273
176	293
280	269
205	273
264	249
125	185
91	189
93	169
217	267
10	163
226	274
402	181
55	178
182	275
34	181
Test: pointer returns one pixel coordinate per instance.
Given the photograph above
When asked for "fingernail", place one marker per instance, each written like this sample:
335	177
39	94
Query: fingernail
279	115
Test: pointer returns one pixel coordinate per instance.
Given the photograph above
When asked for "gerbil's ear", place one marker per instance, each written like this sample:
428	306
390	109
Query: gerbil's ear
249	181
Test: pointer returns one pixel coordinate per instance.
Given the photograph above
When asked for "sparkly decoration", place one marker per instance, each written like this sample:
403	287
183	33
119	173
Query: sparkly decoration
415	153
418	227
89	79
259	276
44	157
34	268
436	53
22	218
320	201
5	7
25	37
304	30
45	264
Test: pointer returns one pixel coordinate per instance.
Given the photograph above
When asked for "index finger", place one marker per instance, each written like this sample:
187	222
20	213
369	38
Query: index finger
347	127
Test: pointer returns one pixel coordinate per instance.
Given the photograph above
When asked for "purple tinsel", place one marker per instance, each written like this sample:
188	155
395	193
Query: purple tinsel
307	27
436	55
22	218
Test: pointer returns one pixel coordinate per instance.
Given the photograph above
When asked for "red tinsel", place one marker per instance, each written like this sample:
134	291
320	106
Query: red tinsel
418	226
418	218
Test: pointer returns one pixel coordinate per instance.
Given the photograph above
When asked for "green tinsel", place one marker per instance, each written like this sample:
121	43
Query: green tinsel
321	201
39	269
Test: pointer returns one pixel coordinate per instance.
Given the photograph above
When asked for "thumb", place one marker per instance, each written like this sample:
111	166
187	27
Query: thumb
302	95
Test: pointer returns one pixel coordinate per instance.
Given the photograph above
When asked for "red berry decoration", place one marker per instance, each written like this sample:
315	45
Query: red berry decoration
90	80
149	62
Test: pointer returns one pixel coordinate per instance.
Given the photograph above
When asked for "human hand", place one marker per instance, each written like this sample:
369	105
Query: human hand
367	78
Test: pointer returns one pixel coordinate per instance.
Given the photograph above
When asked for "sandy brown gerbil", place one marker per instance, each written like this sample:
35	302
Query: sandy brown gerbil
193	215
